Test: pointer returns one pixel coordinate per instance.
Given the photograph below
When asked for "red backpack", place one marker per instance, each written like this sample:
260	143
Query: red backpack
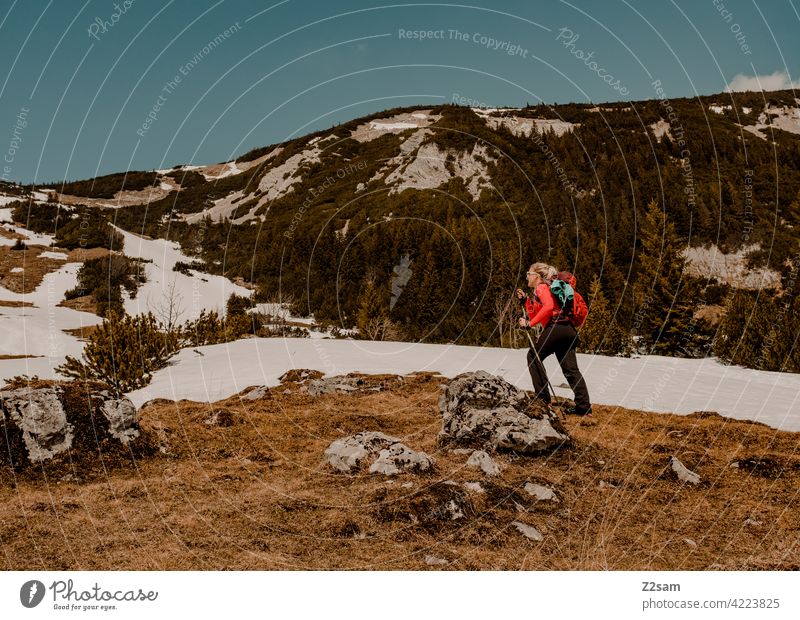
580	310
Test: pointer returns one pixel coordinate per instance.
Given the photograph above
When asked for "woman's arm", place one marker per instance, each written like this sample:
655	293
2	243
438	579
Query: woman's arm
545	311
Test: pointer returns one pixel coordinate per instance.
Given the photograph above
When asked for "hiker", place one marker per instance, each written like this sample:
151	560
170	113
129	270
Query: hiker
555	333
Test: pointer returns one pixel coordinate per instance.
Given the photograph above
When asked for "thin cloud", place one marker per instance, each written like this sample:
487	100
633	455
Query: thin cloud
779	80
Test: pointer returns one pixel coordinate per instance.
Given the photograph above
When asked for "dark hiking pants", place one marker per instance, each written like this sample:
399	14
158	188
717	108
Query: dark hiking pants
560	339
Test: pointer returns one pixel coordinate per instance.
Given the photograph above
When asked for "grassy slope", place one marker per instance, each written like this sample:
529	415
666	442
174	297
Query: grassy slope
257	495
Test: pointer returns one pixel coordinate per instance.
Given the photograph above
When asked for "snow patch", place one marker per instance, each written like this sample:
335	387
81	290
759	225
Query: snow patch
598	109
220	171
54	255
785	118
195	292
4	200
525	127
661	129
651	383
38	329
395	124
281	180
425	166
222	208
730	268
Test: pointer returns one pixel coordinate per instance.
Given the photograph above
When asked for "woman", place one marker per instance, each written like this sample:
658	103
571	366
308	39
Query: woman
556	335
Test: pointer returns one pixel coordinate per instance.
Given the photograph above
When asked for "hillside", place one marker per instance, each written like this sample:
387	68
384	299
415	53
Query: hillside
243	484
465	198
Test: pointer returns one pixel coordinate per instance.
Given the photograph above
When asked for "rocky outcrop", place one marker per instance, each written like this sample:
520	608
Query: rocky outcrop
683	473
40	416
53	422
540	492
481	460
482	410
313	383
381	453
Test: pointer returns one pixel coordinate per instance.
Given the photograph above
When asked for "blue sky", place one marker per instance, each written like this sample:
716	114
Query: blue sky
86	83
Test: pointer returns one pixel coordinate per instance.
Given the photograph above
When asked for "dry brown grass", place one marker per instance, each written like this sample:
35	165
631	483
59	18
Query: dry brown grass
256	494
34	267
15	304
83	332
85	303
10	234
81	255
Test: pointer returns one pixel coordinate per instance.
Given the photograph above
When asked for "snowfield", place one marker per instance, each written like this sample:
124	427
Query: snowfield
215	372
653	383
38	330
194	293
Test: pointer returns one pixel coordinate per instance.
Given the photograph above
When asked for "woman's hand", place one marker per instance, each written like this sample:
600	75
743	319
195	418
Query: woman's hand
521	294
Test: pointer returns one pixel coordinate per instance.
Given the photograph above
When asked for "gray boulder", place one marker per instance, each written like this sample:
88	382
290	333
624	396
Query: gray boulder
683	473
384	454
432	560
540	492
77	420
482	410
257	393
121	417
398	458
40	416
480	390
480	459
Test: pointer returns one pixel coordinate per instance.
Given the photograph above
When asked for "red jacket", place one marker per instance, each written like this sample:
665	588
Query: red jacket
542	308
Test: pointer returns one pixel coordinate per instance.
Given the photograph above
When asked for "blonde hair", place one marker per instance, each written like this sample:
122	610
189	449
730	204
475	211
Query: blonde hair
547	272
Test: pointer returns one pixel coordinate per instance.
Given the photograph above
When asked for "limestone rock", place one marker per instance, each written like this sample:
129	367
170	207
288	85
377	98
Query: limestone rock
122	422
262	391
386	455
40	415
479	458
432	560
540	492
481	410
333	385
220	417
480	390
684	474
528	531
67	423
398	458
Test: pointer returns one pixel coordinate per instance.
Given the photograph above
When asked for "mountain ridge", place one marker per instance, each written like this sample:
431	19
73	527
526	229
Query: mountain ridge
472	195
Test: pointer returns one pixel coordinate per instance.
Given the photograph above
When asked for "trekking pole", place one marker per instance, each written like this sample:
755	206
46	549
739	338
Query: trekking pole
538	359
536	353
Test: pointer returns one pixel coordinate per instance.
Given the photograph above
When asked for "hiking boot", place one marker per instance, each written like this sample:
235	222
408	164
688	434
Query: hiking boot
579	411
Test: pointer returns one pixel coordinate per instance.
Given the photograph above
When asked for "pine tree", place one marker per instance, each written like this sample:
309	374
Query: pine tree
123	352
373	320
663	314
602	333
748	332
